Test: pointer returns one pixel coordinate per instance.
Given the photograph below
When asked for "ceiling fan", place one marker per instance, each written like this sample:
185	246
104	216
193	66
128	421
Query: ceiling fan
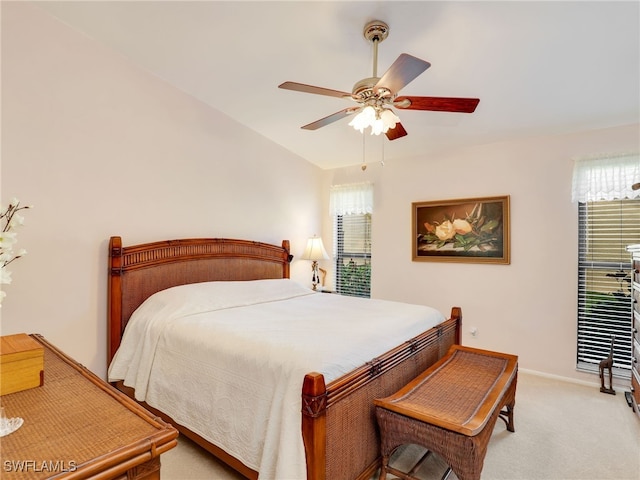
376	95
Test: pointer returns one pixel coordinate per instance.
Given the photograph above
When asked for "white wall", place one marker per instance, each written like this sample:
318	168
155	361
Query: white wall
528	307
102	148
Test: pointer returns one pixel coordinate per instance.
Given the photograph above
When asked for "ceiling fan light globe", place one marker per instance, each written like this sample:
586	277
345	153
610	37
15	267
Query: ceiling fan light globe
364	119
358	123
369	113
389	118
378	127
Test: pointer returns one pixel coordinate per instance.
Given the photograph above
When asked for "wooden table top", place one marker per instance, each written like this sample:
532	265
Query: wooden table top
77	426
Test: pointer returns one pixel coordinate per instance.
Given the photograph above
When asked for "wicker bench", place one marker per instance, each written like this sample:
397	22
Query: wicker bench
450	409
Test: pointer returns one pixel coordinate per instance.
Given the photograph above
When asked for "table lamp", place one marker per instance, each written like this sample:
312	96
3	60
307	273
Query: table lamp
315	251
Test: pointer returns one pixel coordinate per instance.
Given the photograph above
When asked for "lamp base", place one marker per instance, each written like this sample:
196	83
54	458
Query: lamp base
315	279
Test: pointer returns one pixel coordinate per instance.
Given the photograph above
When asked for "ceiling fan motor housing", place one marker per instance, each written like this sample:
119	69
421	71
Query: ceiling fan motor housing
363	90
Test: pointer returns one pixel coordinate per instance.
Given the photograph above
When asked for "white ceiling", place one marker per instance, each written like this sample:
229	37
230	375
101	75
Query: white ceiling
538	67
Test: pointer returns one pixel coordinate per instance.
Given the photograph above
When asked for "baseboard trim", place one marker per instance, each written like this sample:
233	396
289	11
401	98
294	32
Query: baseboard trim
586	383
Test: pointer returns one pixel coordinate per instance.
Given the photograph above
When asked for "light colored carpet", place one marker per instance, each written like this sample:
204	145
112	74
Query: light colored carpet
564	431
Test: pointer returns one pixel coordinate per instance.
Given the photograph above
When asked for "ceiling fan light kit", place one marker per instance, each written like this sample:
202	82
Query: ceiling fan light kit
380	120
377	95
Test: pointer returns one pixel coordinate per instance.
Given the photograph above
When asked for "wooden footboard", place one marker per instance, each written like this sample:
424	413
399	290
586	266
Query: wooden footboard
338	420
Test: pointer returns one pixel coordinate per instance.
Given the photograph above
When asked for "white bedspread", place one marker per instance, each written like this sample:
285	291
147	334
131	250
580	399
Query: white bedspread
241	350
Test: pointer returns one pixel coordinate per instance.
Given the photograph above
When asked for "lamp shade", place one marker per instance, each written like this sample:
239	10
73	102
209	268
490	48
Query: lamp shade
315	250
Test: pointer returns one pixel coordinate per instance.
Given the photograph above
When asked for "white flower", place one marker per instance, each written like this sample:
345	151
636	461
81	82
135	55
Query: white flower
16	221
8	238
5	276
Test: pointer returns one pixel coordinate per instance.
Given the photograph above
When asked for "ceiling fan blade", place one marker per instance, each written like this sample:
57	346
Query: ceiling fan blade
439	104
323	122
301	87
404	70
397	132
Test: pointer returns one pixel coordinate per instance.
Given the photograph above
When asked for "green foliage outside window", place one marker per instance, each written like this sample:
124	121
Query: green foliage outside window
355	279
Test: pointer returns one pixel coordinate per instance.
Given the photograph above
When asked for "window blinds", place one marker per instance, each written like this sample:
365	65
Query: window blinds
604	280
353	255
609	220
351	206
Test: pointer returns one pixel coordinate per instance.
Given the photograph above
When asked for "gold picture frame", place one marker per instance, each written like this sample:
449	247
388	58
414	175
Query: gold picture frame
470	230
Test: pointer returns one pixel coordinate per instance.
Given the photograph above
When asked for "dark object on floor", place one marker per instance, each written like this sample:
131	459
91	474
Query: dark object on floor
627	397
605	364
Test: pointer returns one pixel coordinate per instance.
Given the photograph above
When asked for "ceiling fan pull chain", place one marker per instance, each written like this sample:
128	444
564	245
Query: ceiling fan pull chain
363	167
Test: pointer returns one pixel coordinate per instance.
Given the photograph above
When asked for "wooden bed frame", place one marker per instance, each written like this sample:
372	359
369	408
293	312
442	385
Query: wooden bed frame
338	419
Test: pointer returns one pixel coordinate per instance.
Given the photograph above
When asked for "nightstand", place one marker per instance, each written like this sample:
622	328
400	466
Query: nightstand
76	426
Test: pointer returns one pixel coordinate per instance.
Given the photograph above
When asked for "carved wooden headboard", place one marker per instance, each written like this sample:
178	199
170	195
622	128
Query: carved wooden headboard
138	271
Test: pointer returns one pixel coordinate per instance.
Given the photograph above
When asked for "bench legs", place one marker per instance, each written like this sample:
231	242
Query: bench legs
507	416
509	404
387	469
465	455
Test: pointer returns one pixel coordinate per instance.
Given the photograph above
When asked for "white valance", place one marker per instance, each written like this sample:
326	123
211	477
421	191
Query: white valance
606	178
351	199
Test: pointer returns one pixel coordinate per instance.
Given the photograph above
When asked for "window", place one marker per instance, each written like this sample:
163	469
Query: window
353	254
608	220
604	281
351	206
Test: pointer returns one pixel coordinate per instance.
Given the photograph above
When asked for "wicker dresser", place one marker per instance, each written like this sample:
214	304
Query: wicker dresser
635	325
76	426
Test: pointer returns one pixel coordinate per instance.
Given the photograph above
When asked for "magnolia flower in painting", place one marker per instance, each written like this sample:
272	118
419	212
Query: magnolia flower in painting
445	231
462	227
475	230
10	219
448	229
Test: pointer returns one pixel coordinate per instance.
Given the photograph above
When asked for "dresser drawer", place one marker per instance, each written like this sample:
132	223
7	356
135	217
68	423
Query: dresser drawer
634	250
635	270
635	388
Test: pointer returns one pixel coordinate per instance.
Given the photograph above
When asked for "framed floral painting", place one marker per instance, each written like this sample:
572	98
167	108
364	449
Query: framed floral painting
473	230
